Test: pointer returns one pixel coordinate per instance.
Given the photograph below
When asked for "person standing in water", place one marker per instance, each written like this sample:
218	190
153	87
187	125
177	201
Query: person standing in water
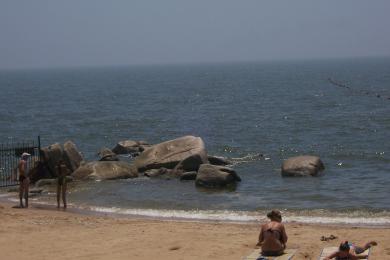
273	237
24	181
61	183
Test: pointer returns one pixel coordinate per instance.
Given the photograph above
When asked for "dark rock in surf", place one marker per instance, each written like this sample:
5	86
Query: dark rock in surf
130	147
163	173
106	154
72	156
304	165
52	154
213	176
45	182
188	176
105	171
39	171
217	160
191	163
170	153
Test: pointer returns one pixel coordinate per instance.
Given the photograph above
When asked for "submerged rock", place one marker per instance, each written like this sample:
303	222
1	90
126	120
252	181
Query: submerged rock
105	171
305	165
216	176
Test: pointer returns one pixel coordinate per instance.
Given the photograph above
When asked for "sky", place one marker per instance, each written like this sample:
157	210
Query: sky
54	33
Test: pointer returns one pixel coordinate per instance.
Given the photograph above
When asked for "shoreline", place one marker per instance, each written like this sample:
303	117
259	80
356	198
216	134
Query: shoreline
48	233
207	216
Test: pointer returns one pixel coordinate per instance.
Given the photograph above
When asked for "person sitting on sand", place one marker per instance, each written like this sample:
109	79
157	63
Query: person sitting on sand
61	182
348	251
273	237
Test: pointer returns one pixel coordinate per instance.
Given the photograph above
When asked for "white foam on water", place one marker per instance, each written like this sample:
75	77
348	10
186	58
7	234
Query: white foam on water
243	216
233	216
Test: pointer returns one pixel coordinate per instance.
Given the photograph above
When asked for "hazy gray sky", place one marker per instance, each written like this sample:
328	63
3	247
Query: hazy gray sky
92	32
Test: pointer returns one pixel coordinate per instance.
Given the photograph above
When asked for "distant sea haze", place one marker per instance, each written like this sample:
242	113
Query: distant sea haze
241	111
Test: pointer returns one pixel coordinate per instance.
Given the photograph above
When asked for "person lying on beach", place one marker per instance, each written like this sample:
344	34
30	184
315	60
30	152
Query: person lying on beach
273	237
348	251
61	183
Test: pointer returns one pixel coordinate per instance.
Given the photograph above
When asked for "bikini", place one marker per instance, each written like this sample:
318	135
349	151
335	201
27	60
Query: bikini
274	253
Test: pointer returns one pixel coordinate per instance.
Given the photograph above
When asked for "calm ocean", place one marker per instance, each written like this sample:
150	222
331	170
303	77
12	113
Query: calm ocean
256	114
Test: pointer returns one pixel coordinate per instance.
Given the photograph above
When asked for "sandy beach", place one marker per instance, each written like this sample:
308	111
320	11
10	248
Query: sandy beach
37	233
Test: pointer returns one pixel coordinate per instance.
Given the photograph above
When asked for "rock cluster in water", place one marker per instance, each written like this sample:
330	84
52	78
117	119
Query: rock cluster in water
184	158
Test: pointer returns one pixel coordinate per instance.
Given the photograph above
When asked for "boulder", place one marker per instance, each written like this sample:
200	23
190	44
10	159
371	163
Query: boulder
217	160
187	176
304	165
130	147
210	176
106	154
105	171
72	156
168	154
39	171
52	154
191	163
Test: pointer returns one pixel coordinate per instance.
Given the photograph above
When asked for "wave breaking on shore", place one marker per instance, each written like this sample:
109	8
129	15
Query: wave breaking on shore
352	217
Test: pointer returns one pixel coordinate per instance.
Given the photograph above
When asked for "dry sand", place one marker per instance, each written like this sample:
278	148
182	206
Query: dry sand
55	234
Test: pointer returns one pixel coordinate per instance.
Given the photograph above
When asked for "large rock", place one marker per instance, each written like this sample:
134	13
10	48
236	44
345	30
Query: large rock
72	156
52	155
189	164
216	176
39	171
105	171
304	165
169	154
130	147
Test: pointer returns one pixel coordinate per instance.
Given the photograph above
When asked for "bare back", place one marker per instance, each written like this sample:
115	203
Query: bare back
273	237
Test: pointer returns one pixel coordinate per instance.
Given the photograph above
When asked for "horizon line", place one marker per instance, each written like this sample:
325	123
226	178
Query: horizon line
189	63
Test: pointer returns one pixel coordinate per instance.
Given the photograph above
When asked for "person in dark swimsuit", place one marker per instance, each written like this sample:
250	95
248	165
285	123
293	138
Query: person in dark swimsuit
61	183
24	181
348	251
273	237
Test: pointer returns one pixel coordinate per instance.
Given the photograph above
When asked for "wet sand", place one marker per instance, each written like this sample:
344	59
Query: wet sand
56	234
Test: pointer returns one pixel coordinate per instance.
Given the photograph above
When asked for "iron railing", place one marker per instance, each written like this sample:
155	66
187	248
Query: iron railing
10	154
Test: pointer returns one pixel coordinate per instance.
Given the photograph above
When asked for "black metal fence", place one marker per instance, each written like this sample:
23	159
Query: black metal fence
10	154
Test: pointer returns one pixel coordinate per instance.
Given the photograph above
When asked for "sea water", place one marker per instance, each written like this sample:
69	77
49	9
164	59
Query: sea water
255	114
